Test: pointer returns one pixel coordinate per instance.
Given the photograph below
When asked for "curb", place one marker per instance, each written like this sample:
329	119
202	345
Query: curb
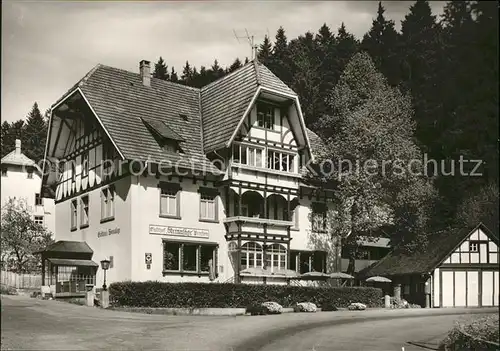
199	311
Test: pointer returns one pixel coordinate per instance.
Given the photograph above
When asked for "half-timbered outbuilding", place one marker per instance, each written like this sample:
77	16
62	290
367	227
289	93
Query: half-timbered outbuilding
458	268
176	183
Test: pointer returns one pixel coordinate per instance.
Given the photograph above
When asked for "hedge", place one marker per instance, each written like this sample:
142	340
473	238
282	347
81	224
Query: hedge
206	295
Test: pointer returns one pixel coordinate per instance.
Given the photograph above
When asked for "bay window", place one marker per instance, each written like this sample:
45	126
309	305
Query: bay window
255	156
276	257
251	255
280	161
248	155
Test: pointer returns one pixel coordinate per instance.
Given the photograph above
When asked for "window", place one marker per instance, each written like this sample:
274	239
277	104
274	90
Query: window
30	174
84	215
107	203
39	220
208	205
318	217
4	172
265	115
473	246
111	261
189	262
38	200
308	261
251	255
280	161
74	213
276	257
248	155
196	258
169	200
85	164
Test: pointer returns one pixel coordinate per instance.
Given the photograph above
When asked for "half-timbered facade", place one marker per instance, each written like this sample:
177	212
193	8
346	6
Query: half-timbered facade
175	183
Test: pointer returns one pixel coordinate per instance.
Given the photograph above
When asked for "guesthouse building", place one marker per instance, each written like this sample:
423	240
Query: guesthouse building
180	184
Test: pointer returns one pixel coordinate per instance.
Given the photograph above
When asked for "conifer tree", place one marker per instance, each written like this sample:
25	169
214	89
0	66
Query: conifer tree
265	51
280	60
35	134
173	76
381	42
234	66
161	70
187	74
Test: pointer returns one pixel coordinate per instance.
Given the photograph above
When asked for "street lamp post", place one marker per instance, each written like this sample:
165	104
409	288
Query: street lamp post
105	266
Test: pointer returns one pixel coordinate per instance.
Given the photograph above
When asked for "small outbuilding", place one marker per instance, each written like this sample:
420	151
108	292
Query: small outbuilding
67	268
458	268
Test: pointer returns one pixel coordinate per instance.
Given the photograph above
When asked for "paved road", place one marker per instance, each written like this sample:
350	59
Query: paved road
31	324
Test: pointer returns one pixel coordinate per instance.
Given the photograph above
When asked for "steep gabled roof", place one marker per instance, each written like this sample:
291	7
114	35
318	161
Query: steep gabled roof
121	101
225	101
440	245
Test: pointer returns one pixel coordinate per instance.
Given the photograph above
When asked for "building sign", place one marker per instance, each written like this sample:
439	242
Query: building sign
178	231
102	233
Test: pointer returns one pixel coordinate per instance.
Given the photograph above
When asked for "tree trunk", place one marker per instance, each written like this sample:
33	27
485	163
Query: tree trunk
352	240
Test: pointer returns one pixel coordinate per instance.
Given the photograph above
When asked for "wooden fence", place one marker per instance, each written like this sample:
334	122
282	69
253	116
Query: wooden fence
20	280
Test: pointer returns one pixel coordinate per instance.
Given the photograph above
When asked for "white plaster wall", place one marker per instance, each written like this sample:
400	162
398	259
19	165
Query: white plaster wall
116	245
145	212
17	185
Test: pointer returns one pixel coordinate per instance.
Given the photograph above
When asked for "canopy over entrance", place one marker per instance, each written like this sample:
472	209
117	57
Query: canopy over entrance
67	267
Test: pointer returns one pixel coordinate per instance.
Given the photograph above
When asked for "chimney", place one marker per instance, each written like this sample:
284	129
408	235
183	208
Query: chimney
18	147
145	70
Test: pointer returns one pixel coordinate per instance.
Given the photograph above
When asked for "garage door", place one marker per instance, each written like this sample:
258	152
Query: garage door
461	288
490	287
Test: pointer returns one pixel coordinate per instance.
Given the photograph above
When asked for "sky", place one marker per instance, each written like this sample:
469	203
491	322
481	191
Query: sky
47	46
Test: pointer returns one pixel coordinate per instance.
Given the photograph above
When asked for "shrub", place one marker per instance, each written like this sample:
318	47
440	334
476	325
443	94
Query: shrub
305	307
357	306
200	295
272	307
328	307
7	290
256	309
479	334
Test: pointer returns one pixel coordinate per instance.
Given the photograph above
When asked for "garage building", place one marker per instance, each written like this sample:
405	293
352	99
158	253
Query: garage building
458	268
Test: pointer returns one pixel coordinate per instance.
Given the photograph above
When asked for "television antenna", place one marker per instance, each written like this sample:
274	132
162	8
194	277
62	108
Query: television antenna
250	39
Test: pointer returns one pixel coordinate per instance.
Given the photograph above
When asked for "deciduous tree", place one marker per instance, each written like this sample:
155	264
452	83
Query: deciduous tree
369	139
21	237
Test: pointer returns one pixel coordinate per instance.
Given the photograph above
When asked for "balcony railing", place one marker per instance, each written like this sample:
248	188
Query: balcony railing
258	220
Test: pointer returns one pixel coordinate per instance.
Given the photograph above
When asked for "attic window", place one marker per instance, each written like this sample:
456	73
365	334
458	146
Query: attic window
166	137
184	116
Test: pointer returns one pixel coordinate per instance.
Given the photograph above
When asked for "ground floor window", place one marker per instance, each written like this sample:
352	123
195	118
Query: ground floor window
71	279
276	257
308	261
251	255
189	257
